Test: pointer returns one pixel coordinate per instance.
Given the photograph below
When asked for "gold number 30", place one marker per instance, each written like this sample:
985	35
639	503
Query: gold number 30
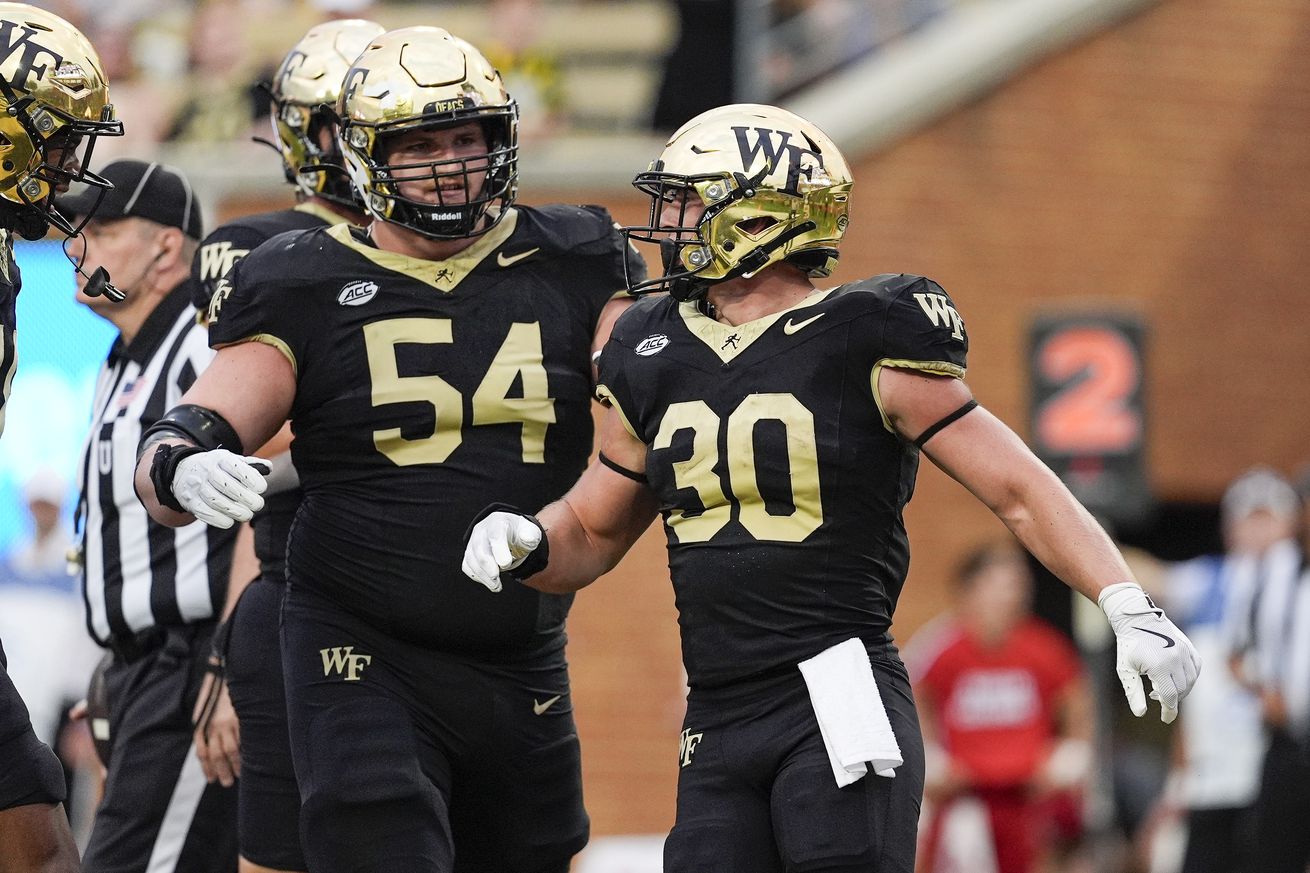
697	472
519	358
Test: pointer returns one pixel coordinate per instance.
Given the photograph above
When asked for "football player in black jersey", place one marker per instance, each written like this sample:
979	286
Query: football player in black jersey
54	100
777	428
247	735
440	356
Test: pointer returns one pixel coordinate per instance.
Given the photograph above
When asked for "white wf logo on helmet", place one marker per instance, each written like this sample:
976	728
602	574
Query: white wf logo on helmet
357	293
652	345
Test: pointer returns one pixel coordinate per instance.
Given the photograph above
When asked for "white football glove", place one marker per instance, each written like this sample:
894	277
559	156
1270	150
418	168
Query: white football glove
219	487
499	542
1148	642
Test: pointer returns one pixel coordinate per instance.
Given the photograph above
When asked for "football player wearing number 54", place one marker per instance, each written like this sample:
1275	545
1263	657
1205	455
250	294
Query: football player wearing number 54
434	360
778	428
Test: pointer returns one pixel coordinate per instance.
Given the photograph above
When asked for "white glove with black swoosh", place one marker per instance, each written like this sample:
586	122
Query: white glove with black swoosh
220	487
1148	642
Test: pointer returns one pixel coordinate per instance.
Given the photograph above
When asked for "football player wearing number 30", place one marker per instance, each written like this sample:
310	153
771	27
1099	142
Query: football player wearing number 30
434	359
778	428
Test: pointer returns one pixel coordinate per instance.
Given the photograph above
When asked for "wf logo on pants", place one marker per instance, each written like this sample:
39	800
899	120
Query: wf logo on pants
342	661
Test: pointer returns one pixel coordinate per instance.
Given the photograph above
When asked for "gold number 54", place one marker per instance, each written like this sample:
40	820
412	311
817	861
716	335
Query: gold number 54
519	358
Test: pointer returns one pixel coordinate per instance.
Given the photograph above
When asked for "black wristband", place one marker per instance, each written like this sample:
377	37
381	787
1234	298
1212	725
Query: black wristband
163	467
536	560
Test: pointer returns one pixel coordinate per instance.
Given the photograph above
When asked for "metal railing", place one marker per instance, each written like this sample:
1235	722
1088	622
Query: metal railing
781	46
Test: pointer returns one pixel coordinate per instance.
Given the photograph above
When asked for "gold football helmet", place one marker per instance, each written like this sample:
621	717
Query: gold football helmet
417	78
774	188
53	101
305	91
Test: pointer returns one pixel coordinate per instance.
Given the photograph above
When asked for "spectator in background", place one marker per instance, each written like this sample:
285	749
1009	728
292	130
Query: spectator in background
531	71
224	101
144	102
1221	744
1006	715
1270	645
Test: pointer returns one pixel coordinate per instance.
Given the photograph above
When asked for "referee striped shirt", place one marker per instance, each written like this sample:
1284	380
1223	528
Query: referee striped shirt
140	574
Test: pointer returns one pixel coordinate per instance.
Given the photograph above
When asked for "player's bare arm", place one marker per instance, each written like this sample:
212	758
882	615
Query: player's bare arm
588	530
985	456
988	458
251	387
36	837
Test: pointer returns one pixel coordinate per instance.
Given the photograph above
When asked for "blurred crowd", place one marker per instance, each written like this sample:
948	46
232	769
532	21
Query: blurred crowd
196	71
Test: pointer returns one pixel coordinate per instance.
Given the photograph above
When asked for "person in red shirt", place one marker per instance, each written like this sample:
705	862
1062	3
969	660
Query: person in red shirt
1006	714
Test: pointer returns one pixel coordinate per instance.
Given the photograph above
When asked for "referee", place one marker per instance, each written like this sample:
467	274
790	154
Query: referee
1268	639
152	592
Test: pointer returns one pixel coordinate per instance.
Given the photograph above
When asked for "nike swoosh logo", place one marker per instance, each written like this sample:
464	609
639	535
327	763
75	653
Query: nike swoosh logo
791	327
1168	641
510	260
539	708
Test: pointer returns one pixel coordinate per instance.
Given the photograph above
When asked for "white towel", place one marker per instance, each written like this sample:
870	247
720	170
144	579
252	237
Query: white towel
851	716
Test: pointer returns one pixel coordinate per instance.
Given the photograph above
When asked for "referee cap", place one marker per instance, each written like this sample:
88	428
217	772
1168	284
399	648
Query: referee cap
1259	488
142	189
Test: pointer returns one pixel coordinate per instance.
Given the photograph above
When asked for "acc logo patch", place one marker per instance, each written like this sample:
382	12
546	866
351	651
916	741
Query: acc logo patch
652	345
357	293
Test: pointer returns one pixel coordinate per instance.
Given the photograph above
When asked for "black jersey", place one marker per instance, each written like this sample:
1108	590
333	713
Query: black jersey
781	481
233	241
424	391
213	261
9	284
